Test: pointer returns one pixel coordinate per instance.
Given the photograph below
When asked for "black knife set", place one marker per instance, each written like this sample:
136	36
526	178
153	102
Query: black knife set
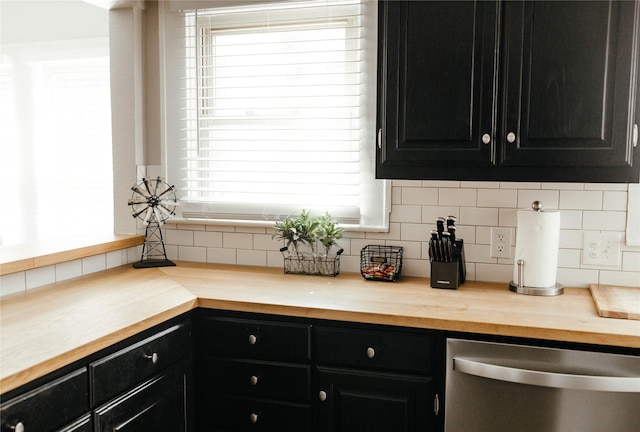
446	253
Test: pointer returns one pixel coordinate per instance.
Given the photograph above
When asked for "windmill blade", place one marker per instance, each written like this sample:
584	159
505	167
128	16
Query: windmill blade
148	215
138	213
136	188
168	202
158	216
169	189
165	212
146	185
133	202
158	182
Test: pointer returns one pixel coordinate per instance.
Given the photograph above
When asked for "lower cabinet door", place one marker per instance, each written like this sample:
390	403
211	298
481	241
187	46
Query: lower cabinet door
156	405
359	401
83	424
237	414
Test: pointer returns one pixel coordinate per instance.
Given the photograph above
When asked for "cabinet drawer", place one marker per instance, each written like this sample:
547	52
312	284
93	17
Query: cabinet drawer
132	365
403	352
244	414
249	338
254	378
50	406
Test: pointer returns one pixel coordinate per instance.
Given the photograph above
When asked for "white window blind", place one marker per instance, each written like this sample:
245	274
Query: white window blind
275	112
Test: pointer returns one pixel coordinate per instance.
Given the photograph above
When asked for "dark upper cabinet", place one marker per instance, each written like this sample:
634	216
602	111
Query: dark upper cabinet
513	90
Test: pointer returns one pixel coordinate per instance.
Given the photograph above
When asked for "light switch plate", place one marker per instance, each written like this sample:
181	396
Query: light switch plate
601	249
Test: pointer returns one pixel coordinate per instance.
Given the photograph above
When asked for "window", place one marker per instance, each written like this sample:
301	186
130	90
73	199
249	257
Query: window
55	122
271	110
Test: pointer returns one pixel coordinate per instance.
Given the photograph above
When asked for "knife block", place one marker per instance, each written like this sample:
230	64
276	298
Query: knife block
450	275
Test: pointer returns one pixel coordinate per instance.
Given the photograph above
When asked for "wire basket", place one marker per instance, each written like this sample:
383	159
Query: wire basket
311	264
381	263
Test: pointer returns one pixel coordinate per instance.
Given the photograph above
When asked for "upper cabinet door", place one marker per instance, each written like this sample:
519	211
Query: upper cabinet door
436	85
568	84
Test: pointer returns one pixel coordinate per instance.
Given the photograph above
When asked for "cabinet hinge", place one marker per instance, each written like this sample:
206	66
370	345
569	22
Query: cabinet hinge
380	138
436	404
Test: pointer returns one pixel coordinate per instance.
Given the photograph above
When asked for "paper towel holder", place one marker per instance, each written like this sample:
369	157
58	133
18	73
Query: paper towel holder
520	288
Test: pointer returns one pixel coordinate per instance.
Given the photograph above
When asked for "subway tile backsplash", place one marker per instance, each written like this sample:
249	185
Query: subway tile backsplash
415	207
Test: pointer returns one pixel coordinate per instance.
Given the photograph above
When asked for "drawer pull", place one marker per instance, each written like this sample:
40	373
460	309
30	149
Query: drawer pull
252	339
322	395
153	357
253	380
253	418
371	353
19	427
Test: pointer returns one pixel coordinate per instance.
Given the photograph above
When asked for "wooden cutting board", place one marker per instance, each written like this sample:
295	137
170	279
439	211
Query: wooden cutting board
615	301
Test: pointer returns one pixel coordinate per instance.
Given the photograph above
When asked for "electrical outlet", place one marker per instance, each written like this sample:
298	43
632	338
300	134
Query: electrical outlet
601	249
501	242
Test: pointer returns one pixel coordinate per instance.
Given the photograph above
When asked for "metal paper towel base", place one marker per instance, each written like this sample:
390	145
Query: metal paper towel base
553	290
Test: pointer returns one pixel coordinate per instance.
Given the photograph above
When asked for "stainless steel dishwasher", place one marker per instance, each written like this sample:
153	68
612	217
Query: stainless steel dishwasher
501	387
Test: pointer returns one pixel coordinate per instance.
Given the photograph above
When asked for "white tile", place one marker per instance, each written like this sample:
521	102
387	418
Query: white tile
350	264
192	253
604	220
251	257
68	270
630	261
265	242
483	235
414	232
416	268
549	198
571	239
569	258
392	234
419	196
508	217
478	254
207	238
237	241
563	186
631	279
396	195
494	273
581	200
497	198
275	259
253	230
605	186
614	200
570	219
221	256
480	185
40	276
466	233
116	258
94	264
179	237
441	183
12	283
478	216
411	249
407	183
171	250
406	213
519	185
580	278
458	197
431	213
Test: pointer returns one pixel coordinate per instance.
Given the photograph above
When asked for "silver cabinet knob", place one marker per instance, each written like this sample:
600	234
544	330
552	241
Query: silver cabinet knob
153	357
253	418
486	138
252	339
19	427
253	380
371	353
322	395
511	137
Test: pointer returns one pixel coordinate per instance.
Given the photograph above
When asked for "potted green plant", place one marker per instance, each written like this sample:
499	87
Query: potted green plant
302	235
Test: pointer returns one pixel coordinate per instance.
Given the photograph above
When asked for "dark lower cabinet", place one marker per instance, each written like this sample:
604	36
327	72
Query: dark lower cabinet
357	401
157	405
83	424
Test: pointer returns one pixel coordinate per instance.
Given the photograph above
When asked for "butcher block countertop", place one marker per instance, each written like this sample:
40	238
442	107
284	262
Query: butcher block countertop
47	328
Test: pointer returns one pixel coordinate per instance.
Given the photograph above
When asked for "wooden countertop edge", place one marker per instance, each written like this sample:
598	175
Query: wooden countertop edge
28	257
494	329
14	381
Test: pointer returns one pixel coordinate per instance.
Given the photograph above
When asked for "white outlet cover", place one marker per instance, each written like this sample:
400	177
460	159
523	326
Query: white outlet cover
500	249
601	249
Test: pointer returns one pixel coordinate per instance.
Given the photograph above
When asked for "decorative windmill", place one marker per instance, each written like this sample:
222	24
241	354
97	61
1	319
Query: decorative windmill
153	201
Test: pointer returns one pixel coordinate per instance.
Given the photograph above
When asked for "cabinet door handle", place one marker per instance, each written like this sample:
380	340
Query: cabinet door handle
153	357
511	137
322	395
19	427
486	138
252	339
380	138
253	380
371	353
253	418
635	135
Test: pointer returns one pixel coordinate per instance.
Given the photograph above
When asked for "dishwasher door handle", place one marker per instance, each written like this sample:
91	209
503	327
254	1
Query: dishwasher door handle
547	379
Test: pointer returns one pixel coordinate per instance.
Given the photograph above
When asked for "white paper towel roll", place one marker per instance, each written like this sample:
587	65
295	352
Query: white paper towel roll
537	243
